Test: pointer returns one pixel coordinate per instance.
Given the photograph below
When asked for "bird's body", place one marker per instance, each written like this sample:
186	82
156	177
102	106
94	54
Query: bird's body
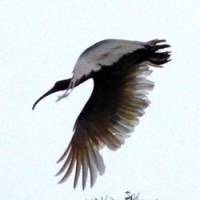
103	53
119	69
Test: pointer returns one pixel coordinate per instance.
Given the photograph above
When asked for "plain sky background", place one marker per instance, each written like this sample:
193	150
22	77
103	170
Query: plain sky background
40	41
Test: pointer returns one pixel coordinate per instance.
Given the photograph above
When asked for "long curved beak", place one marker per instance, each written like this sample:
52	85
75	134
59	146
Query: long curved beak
52	90
60	85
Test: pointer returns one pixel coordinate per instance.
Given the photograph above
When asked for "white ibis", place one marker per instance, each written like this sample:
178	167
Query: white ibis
119	69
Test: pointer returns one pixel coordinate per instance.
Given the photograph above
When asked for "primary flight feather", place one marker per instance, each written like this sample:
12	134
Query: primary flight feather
119	69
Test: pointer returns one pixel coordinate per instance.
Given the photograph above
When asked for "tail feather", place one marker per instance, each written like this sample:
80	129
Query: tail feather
157	57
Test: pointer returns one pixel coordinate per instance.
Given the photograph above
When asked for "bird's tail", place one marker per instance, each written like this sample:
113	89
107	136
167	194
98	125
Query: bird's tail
156	53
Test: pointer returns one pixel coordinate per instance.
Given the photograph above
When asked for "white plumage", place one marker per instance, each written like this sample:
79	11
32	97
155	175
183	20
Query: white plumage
103	53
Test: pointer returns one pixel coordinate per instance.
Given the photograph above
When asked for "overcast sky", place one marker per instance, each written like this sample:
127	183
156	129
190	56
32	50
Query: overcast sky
39	44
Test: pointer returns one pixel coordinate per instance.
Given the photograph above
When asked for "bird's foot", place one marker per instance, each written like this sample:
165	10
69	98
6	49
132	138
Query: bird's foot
67	92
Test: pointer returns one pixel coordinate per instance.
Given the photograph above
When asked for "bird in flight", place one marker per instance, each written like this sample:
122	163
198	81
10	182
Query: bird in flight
119	69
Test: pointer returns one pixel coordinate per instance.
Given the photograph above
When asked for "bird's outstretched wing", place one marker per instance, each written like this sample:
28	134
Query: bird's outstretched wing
116	103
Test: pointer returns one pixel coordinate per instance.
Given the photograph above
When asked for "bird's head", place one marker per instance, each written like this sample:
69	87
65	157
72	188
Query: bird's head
58	86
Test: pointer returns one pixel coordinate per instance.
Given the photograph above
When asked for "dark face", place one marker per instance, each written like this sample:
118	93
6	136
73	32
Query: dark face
60	85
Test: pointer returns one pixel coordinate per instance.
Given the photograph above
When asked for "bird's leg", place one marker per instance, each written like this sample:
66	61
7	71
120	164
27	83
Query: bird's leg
67	92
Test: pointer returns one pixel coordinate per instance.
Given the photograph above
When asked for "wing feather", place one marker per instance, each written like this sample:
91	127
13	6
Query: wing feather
78	168
69	169
84	160
92	166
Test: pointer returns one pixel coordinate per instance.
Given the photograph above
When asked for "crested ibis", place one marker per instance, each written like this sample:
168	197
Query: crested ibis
119	69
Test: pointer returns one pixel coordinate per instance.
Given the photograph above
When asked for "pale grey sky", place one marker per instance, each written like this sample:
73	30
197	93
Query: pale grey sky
39	44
